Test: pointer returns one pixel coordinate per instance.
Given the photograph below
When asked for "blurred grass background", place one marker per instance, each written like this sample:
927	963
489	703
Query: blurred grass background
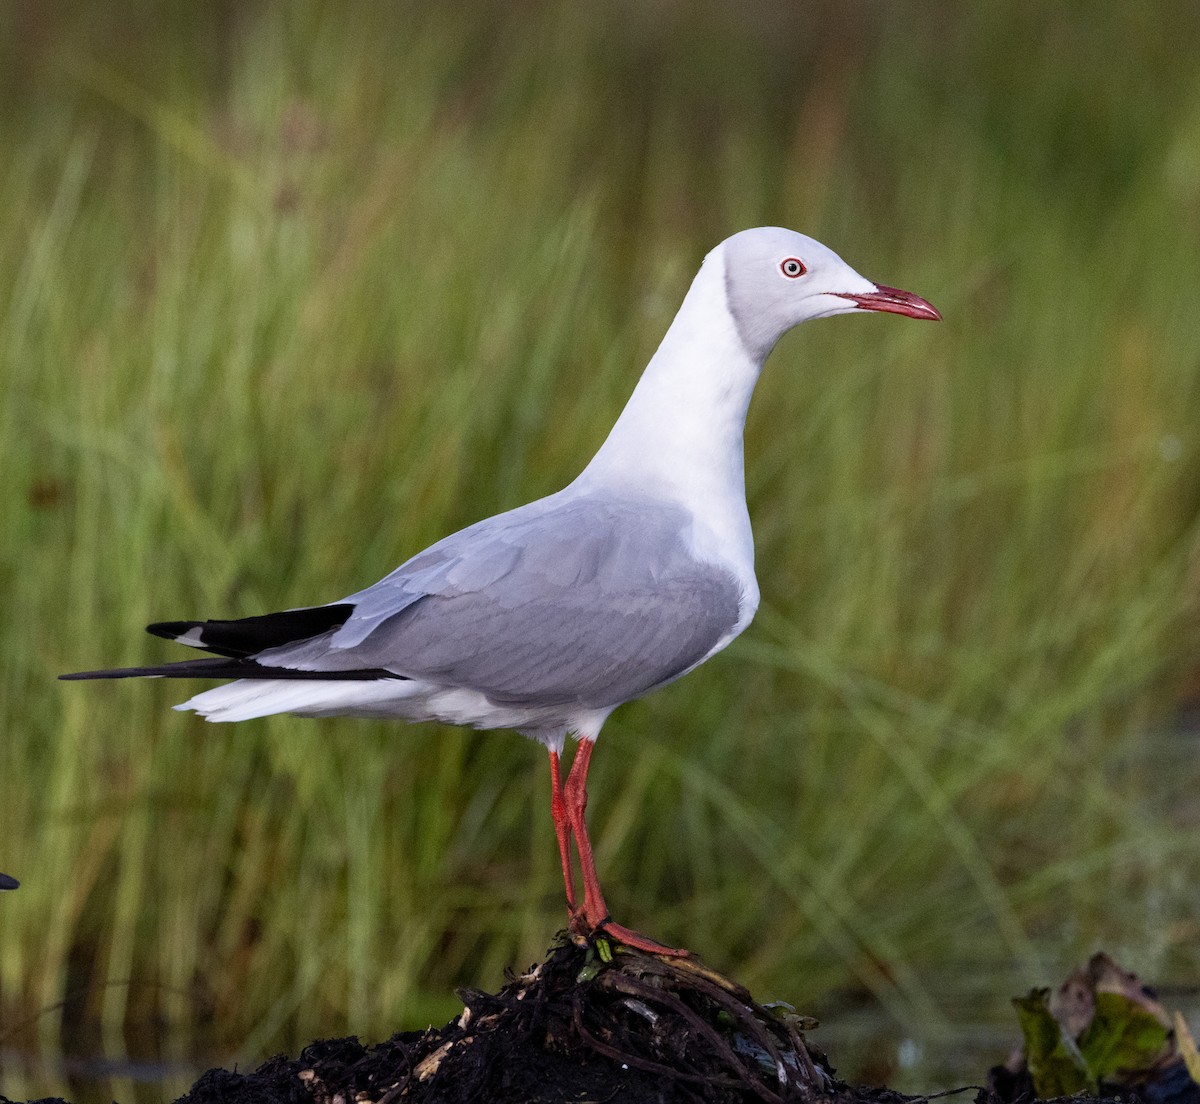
288	291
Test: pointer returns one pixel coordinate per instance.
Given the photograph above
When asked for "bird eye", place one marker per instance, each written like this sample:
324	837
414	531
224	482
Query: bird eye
792	267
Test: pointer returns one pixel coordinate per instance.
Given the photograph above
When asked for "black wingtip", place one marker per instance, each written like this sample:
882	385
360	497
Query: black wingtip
231	669
114	673
247	636
169	630
8	882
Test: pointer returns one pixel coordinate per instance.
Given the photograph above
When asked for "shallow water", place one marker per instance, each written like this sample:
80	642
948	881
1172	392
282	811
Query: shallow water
96	1079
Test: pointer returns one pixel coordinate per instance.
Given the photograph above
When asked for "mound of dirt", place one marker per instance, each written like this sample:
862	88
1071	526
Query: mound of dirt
599	1022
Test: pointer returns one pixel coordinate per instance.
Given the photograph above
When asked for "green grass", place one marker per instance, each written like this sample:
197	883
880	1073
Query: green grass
289	293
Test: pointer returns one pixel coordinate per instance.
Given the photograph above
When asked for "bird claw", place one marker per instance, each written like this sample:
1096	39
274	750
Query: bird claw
585	931
627	937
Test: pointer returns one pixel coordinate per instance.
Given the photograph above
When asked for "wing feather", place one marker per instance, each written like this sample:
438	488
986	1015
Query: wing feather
590	601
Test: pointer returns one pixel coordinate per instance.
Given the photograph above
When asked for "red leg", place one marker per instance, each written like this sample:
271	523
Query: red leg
562	828
593	916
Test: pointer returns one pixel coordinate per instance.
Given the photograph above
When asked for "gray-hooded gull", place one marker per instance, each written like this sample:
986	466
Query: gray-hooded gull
544	619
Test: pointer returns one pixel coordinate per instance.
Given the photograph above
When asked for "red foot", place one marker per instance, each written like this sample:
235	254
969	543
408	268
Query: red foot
629	938
618	933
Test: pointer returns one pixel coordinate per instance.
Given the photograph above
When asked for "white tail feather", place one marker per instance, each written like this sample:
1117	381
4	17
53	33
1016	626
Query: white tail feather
246	699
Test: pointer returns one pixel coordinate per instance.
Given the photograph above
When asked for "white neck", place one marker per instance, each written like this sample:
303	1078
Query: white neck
679	437
680	434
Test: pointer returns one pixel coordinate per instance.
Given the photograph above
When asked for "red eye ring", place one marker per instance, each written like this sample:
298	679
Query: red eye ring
792	267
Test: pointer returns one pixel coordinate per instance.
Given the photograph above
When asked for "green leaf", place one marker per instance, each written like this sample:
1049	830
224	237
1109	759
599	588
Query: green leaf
1123	1037
1054	1061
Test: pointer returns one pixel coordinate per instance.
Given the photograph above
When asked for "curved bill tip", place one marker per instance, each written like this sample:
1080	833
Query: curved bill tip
894	301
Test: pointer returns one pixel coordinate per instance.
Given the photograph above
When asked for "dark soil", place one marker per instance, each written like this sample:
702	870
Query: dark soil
590	1023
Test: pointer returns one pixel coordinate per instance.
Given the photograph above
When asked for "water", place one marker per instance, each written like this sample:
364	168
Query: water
97	1079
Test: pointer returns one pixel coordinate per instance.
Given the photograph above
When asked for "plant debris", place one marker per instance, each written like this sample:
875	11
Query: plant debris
601	1022
1101	1032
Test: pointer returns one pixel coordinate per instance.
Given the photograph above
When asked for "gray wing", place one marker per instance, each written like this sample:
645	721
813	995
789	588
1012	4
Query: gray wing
565	600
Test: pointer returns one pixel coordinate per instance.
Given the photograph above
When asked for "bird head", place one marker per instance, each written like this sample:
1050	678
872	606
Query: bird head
775	279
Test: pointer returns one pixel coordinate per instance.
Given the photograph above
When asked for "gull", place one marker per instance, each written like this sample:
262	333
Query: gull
8	882
547	617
